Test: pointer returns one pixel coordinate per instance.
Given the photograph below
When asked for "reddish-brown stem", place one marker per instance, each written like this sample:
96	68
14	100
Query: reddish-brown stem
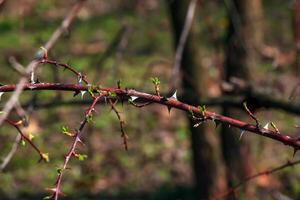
251	114
65	66
71	152
121	121
170	102
24	137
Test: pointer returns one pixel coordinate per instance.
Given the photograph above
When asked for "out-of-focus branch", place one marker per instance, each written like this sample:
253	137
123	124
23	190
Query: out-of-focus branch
11	153
116	47
33	64
17	66
234	189
181	44
24	116
2	2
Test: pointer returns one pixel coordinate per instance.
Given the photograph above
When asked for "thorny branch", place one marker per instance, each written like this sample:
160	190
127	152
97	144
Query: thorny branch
264	101
72	152
65	66
169	102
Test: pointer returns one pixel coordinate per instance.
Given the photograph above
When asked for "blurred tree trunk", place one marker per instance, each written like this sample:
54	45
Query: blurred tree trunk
296	23
245	35
194	82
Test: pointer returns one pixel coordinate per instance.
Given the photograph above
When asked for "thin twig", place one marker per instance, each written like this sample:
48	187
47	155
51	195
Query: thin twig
16	125
121	121
120	49
17	66
254	176
116	46
251	114
65	66
11	153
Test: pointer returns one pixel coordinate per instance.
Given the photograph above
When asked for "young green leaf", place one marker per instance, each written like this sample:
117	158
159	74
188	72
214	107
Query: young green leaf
30	136
91	91
23	143
81	157
89	118
45	157
155	80
47	198
202	110
112	94
58	170
65	131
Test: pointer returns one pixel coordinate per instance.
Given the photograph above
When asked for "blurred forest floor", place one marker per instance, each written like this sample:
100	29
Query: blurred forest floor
158	163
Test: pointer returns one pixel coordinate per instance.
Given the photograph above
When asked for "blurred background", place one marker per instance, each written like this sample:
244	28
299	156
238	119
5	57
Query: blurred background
236	51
